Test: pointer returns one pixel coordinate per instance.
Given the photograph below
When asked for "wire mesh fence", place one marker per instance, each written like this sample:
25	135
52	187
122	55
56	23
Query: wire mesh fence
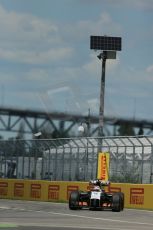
75	159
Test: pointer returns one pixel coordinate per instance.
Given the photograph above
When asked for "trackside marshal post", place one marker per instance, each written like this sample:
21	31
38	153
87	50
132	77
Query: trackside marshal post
103	166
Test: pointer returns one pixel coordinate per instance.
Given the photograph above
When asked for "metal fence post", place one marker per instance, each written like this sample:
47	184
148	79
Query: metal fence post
151	165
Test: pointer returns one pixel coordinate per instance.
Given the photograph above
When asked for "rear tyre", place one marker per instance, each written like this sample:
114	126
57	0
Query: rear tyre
121	194
74	200
116	202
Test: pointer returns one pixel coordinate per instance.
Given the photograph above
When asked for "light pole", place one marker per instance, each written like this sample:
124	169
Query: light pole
109	45
84	127
84	133
37	137
84	130
102	56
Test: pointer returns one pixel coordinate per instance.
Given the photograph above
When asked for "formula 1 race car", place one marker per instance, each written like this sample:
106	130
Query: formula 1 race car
96	198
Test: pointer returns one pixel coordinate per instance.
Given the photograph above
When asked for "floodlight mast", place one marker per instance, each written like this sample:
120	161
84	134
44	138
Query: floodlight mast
103	57
109	45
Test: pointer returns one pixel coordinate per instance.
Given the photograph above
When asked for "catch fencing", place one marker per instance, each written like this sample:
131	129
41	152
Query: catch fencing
75	159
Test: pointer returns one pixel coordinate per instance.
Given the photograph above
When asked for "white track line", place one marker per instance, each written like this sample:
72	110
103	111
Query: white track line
97	218
80	216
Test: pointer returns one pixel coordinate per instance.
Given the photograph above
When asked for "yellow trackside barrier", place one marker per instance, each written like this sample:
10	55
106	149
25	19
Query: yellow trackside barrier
38	189
136	195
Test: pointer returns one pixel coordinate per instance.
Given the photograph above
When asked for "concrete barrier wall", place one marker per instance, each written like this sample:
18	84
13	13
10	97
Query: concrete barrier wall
136	195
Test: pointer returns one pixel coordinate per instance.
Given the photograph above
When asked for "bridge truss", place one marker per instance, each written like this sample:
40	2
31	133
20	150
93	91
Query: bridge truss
35	120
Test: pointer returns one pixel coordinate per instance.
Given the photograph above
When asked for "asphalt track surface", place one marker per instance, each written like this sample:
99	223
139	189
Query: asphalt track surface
33	215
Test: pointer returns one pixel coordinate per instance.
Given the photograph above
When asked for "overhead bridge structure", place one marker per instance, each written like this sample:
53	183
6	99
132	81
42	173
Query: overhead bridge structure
36	120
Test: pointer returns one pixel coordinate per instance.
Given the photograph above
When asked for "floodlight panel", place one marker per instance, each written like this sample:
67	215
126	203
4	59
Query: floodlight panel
105	43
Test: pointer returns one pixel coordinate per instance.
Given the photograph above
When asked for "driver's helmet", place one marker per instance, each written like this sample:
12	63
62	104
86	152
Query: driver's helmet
95	182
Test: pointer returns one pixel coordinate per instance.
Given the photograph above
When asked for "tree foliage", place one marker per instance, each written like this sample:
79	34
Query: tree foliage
126	130
127	174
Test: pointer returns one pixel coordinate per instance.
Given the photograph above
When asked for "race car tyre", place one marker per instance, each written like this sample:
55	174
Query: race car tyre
121	194
74	200
116	202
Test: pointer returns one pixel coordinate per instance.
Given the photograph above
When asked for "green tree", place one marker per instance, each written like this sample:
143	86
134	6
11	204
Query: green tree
49	133
19	142
21	131
127	174
126	130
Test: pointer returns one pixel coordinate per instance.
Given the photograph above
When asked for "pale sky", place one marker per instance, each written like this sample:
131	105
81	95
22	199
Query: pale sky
46	62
